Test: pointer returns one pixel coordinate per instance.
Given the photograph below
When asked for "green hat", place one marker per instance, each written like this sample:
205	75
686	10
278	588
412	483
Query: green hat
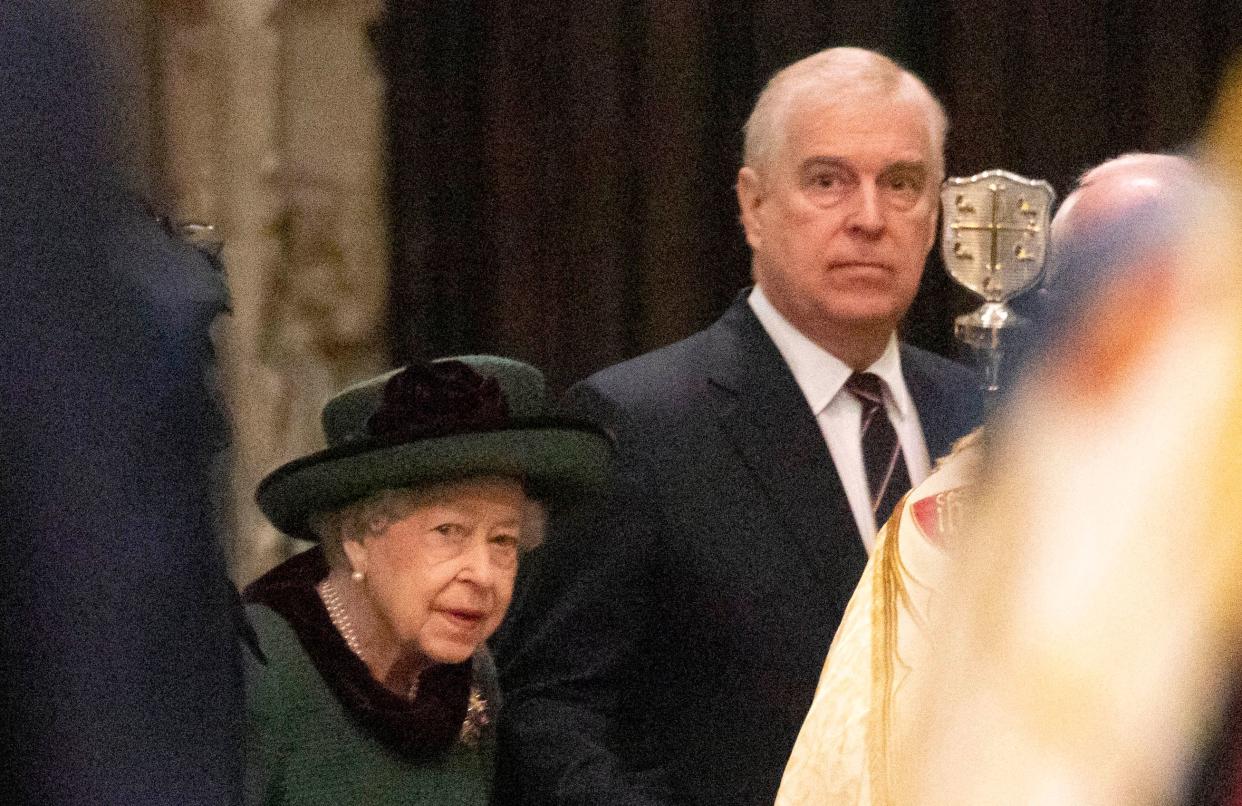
438	421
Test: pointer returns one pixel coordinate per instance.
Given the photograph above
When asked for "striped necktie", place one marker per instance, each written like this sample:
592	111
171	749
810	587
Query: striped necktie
887	477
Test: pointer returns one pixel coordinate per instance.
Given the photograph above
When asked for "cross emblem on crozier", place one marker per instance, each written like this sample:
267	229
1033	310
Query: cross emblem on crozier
1028	225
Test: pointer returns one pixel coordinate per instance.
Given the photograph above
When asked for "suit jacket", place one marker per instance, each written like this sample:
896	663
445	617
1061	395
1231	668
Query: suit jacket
668	645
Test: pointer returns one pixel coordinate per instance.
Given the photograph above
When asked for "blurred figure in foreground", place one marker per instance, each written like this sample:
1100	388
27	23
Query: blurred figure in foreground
1085	642
868	692
119	671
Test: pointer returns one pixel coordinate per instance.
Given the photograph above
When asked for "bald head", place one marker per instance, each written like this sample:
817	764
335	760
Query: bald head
1110	203
1110	190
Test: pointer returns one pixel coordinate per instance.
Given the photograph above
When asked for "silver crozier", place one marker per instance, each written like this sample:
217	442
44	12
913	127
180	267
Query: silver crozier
994	241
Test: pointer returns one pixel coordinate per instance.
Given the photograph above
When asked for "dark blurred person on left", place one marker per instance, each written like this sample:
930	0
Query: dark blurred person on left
119	663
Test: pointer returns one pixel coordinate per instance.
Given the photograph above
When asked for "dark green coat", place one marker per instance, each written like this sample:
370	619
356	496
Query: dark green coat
309	748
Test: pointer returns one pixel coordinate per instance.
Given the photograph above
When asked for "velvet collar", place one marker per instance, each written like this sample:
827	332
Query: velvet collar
416	729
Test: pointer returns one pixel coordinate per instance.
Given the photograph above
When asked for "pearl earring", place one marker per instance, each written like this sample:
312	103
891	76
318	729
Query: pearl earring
357	576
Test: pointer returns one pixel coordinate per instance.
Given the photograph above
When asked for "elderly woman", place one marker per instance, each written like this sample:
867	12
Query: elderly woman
371	682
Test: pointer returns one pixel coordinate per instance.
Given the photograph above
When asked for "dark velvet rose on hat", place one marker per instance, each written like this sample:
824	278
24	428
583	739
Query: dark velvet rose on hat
439	421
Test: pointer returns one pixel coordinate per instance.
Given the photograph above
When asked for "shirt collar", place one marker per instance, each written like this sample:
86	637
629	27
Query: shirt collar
820	374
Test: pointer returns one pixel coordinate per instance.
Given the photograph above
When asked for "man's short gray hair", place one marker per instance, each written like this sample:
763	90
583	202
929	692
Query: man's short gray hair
832	76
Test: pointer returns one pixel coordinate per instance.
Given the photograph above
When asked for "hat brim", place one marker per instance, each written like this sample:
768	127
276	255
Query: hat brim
556	459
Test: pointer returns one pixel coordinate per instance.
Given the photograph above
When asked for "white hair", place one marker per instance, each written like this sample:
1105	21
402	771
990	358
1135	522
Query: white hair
371	516
832	76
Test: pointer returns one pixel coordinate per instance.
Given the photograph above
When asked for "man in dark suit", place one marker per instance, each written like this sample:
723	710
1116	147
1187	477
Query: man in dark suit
668	649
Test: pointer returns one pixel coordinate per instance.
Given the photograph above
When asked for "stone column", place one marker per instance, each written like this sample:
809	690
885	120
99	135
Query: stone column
271	130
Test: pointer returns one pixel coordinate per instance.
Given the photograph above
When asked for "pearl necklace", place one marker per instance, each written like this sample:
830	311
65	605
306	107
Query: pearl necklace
345	626
340	619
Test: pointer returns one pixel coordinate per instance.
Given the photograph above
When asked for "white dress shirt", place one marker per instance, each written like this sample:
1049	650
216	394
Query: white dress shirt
821	376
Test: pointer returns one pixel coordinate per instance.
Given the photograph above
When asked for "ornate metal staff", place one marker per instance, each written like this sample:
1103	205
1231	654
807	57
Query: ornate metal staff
994	241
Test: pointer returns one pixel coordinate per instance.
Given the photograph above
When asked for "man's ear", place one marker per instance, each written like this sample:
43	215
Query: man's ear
749	198
934	228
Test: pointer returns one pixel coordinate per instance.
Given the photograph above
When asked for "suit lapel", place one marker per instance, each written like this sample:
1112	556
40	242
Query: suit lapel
944	417
763	411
